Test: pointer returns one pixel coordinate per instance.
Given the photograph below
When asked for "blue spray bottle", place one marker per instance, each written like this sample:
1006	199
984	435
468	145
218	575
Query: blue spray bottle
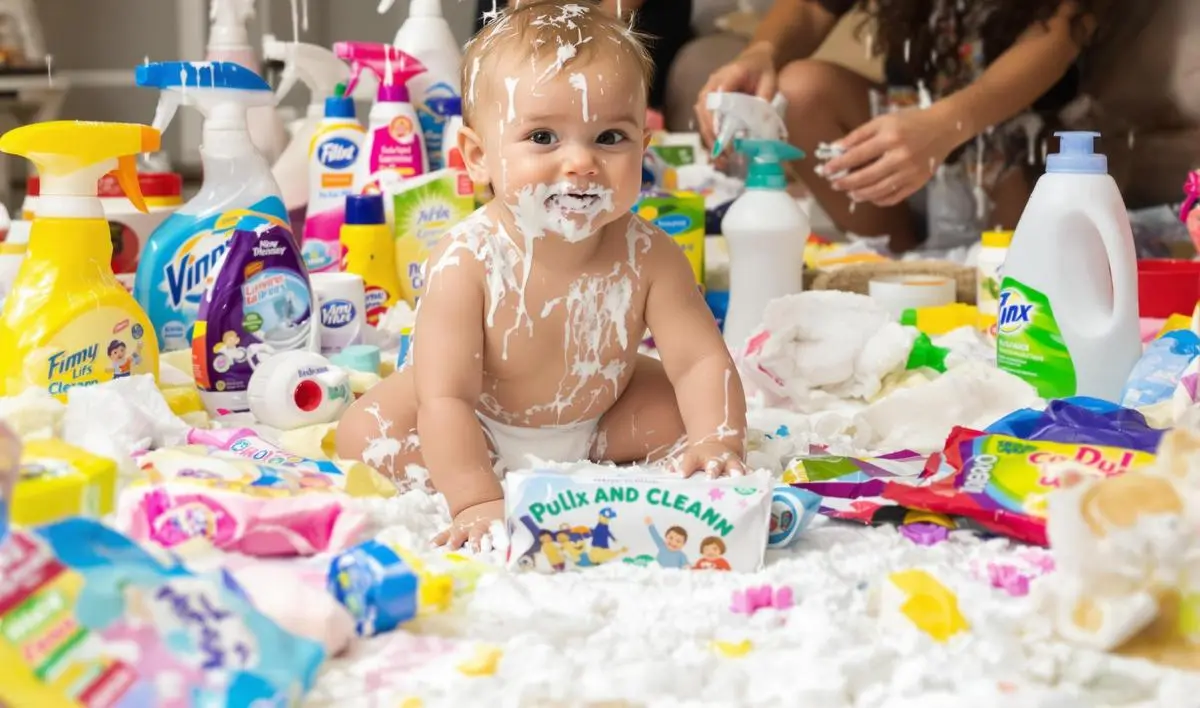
182	253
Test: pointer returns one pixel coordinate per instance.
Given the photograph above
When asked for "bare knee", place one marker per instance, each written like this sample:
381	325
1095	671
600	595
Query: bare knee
379	428
810	86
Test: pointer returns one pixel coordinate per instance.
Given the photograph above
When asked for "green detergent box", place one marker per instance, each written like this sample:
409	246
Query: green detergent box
424	209
681	215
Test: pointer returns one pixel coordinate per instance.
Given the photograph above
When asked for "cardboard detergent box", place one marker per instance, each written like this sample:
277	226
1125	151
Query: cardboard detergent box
681	215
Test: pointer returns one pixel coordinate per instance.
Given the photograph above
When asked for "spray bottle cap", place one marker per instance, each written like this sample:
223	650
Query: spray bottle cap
927	354
364	209
445	105
1076	154
72	156
339	105
319	69
425	8
228	19
221	90
766	162
392	67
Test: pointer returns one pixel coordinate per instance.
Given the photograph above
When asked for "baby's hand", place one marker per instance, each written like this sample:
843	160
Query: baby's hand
471	526
714	459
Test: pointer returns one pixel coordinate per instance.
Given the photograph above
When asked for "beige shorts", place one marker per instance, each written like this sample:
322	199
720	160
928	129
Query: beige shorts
553	443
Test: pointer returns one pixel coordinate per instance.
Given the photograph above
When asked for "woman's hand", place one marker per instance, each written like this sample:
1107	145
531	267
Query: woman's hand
752	72
891	157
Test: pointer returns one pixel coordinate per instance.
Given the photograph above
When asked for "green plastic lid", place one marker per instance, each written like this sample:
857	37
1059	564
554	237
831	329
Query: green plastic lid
766	162
926	354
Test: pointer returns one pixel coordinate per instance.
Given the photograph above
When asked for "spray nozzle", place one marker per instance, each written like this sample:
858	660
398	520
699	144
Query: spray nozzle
72	156
221	90
320	69
740	115
766	162
1077	154
391	66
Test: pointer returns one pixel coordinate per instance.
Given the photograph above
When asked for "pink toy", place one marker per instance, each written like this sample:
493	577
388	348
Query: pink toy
753	599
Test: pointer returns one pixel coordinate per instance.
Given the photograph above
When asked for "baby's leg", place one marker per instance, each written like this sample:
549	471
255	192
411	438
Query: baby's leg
381	427
645	423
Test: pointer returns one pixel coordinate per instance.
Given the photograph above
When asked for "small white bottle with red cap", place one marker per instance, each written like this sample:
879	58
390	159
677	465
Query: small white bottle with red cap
298	388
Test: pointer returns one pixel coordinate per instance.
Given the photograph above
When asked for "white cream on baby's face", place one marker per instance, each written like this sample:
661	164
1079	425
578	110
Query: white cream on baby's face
564	164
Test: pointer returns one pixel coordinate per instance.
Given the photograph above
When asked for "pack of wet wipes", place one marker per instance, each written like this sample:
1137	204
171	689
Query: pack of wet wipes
589	515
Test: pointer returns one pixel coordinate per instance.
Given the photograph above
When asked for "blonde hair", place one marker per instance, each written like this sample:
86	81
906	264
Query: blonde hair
544	29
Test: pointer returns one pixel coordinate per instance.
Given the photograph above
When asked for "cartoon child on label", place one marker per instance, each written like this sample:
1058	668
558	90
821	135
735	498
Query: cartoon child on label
670	547
122	361
551	551
712	555
229	351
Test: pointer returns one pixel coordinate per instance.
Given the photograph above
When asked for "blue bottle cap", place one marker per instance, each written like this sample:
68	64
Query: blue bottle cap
1076	154
339	107
359	357
364	209
445	105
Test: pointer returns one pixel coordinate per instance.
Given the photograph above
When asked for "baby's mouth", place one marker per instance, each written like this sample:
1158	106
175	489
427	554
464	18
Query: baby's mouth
572	201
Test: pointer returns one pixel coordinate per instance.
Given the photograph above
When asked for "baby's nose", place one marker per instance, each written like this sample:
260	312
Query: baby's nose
579	160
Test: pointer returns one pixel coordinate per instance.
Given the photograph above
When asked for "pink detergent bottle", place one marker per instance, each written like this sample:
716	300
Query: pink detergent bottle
394	148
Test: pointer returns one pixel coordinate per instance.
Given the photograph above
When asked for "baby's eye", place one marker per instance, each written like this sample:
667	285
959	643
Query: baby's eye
611	137
542	137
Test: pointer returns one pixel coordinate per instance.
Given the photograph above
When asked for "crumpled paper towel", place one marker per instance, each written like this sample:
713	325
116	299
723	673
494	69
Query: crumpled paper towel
33	414
121	417
816	347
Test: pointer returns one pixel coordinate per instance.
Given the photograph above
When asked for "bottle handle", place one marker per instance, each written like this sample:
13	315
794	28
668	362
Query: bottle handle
1118	249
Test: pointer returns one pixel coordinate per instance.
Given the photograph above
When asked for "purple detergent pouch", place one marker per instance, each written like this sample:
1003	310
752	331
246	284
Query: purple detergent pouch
258	303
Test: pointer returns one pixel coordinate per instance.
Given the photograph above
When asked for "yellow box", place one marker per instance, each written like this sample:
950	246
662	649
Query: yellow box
681	216
58	480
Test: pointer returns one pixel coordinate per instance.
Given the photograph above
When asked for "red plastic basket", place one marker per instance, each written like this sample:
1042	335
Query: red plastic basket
1167	287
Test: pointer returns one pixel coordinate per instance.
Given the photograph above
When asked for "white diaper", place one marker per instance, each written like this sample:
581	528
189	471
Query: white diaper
551	443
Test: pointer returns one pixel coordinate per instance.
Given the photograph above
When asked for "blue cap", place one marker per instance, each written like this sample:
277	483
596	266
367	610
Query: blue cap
445	105
339	107
1076	154
364	209
766	162
199	74
359	357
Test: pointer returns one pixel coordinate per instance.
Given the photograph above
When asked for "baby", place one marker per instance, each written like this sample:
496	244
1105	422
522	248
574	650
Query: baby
526	339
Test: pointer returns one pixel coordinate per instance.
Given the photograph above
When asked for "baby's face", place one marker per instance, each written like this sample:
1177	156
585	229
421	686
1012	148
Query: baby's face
563	145
712	550
674	541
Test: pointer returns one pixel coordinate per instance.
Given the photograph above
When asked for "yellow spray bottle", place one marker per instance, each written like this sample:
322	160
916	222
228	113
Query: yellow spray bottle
68	322
369	250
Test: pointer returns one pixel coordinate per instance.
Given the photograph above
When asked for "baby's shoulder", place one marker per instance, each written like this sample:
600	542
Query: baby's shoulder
652	247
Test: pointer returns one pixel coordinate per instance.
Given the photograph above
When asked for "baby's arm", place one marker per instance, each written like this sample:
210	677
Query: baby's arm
448	370
694	355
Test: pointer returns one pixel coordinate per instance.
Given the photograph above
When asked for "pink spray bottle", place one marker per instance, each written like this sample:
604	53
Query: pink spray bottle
394	148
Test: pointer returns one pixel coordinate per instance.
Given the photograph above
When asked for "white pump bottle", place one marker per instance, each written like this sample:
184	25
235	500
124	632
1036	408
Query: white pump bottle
426	36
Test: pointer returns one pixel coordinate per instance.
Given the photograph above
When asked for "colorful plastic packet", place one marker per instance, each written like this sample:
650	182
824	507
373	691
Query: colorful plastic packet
89	618
852	488
1002	482
565	519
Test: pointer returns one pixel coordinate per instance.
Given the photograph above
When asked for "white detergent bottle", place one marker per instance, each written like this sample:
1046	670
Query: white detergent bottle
333	155
321	71
426	36
229	41
1068	311
766	231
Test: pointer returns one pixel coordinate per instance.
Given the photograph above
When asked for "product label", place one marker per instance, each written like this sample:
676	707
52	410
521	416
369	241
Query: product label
422	215
99	346
559	521
681	215
377	300
1029	343
433	123
179	263
262	303
398	148
336	314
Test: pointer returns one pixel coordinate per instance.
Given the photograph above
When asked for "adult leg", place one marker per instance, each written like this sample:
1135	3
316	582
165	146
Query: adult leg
696	61
381	427
825	102
645	423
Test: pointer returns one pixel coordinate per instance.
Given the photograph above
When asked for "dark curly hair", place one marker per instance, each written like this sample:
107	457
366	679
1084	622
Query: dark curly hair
899	23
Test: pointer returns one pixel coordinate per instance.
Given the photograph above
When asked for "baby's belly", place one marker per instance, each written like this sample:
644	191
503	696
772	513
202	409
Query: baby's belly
555	393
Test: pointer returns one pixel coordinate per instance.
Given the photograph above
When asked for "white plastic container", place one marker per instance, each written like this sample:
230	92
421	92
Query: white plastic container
766	231
298	388
1068	311
427	37
336	147
987	280
341	299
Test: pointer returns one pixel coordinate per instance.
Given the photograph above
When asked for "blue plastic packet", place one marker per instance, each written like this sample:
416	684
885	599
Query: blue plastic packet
376	585
792	510
1081	420
1157	374
79	600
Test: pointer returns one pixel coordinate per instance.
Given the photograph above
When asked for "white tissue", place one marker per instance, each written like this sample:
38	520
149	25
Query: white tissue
121	417
32	414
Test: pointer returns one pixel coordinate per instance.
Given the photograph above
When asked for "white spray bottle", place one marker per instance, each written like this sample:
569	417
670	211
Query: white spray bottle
321	71
229	41
740	115
426	36
766	231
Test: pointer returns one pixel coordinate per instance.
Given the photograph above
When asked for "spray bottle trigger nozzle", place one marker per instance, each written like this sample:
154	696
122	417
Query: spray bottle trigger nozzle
127	177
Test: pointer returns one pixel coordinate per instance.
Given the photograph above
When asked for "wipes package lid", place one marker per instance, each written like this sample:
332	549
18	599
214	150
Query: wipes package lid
577	518
681	215
89	618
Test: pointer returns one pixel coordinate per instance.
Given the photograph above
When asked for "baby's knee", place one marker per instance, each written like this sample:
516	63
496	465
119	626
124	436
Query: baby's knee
350	438
808	85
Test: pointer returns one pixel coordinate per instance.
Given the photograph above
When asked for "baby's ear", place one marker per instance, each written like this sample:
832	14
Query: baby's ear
471	146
